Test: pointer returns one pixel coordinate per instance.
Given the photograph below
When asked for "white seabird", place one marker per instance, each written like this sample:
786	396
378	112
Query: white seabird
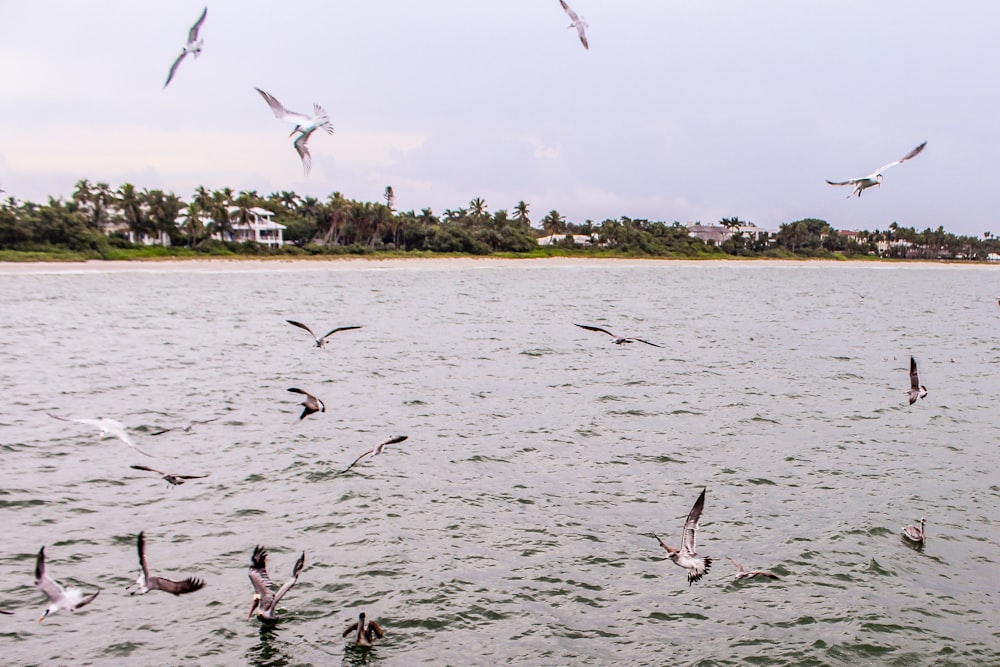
186	429
915	534
145	583
618	340
875	178
687	556
173	480
917	390
265	601
108	427
365	631
376	450
320	341
578	23
193	46
310	405
743	573
59	598
304	125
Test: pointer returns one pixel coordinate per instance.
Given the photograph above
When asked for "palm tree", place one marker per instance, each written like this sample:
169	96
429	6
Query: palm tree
131	206
477	209
390	196
553	223
521	214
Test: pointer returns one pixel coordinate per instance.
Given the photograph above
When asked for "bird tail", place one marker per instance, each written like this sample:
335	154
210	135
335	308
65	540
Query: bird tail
702	566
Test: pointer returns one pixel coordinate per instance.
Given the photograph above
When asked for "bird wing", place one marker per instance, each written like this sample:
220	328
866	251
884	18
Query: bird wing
303	150
87	600
190	476
376	628
306	411
352	628
287	586
165	430
583	36
302	326
691	525
189	585
914	379
639	340
663	544
333	331
193	33
852	181
370	451
296	390
739	566
590	328
140	544
173	68
46	584
280	111
911	154
258	571
572	15
147	469
204	421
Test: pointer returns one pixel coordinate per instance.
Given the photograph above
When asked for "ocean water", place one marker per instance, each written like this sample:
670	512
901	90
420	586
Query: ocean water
513	526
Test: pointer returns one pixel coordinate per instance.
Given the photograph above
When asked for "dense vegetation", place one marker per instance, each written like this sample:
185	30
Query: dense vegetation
98	222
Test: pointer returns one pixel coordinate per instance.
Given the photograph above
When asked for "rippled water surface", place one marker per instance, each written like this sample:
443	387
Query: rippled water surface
513	526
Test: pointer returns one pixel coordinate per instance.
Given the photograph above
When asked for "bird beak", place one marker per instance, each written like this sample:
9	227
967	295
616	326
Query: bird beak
293	131
42	617
256	601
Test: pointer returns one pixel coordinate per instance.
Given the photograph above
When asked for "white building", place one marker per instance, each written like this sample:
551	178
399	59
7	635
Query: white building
578	239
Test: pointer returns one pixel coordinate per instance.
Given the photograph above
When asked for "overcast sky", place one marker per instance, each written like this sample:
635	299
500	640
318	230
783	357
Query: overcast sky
688	110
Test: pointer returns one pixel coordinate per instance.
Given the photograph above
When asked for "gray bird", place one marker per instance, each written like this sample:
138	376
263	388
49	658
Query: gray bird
193	46
310	405
915	534
320	341
173	480
70	599
917	390
618	340
578	23
875	178
743	573
376	450
265	601
145	583
365	631
687	556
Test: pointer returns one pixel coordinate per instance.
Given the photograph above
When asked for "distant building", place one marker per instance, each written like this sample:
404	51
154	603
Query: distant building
261	228
578	239
717	234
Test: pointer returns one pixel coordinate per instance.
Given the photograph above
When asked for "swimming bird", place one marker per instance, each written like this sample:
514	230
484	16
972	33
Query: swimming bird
193	46
265	601
310	405
914	534
578	23
618	340
59	598
186	429
108	427
917	390
742	573
145	583
320	341
174	480
687	557
875	178
376	450
366	631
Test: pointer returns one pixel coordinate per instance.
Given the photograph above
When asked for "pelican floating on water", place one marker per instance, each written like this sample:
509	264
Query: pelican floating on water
376	450
365	631
320	341
145	583
915	534
578	23
108	427
618	340
310	405
265	601
59	598
743	573
917	390
173	480
305	125
687	556
193	46
875	178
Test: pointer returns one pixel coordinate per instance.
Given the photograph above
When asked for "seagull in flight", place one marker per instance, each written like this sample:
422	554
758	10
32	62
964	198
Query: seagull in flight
618	340
366	631
108	427
320	341
145	583
917	390
687	557
578	23
304	125
186	429
59	598
193	46
875	178
915	534
174	480
742	573
310	405
265	601
376	450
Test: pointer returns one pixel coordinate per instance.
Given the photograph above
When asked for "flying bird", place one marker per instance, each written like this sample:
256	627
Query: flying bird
310	405
145	583
174	480
365	631
320	341
687	556
742	573
917	390
59	598
618	340
914	534
265	601
376	450
875	178
304	125
108	427
186	429
193	46
578	23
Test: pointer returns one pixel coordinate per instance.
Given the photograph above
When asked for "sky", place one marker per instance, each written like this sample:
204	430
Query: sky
681	110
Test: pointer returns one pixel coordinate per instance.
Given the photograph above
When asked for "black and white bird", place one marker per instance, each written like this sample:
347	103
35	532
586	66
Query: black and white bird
187	428
365	631
145	583
310	405
303	124
743	573
108	427
914	533
577	22
193	46
70	598
875	178
376	450
320	341
917	390
618	340
687	556
265	601
173	480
